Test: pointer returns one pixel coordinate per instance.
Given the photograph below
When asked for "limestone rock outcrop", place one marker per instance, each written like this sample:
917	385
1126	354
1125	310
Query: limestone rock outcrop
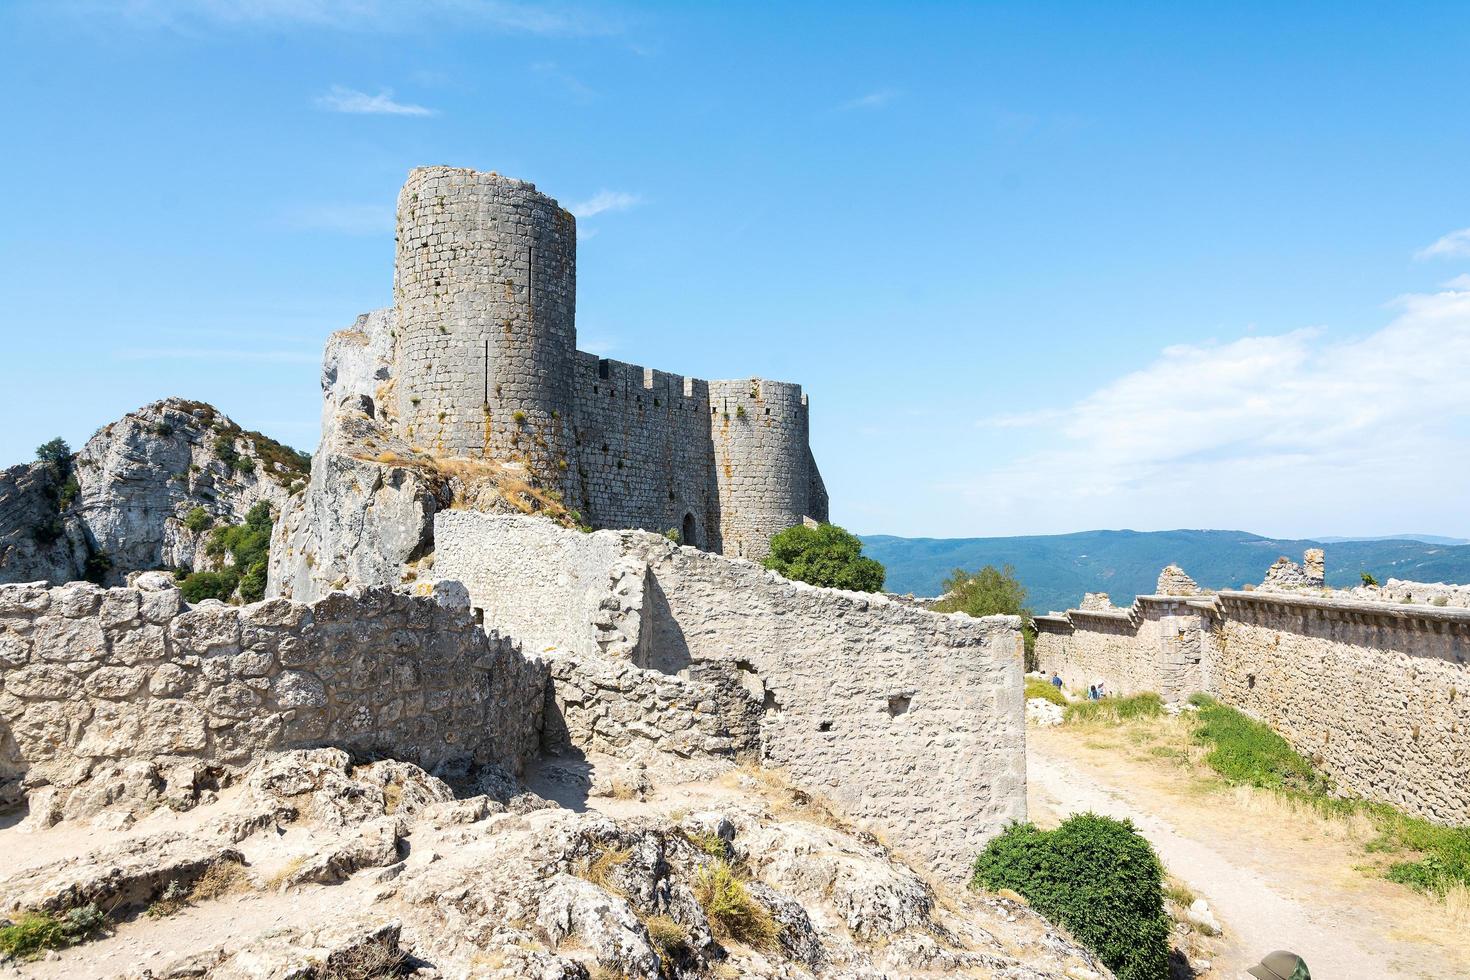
136	482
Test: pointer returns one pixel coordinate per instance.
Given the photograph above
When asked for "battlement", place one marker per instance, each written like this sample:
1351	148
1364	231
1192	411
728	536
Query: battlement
485	364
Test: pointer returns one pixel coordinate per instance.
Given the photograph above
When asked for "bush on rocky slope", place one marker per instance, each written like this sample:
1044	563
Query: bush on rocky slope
1095	875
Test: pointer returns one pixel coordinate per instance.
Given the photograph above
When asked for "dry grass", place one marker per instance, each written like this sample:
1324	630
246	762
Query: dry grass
600	867
707	841
510	483
278	878
788	799
669	938
622	790
220	879
733	912
369	961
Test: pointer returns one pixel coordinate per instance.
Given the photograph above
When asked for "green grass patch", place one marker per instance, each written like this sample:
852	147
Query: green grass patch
1045	690
33	933
1247	752
1114	710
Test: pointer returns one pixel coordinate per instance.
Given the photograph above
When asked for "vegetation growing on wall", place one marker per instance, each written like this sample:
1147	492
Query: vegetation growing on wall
824	555
1095	875
989	592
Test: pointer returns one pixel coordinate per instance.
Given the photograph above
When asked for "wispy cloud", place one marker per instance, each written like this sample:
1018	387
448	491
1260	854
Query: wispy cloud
352	15
1454	245
215	354
343	99
605	201
345	219
873	100
573	85
599	345
1261	432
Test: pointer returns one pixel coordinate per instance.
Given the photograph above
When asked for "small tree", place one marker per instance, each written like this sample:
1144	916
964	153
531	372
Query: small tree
824	555
1368	578
989	592
56	454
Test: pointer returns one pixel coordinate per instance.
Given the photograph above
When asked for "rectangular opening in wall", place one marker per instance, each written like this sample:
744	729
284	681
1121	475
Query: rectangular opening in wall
603	368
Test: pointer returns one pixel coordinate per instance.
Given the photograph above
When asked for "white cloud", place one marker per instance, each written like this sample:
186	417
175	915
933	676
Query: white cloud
346	219
605	201
343	99
1462	281
1454	245
351	15
873	100
1269	433
598	345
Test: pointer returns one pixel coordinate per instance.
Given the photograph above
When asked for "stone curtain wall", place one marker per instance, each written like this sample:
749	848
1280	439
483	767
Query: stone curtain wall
1373	692
486	294
766	479
643	451
92	677
1154	646
1378	695
906	718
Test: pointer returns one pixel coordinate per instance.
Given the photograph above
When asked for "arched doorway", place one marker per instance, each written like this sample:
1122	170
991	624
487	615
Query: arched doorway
689	533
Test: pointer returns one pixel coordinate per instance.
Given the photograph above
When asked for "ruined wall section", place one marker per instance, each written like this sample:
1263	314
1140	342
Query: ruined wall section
96	677
1377	695
486	294
907	719
764	470
643	450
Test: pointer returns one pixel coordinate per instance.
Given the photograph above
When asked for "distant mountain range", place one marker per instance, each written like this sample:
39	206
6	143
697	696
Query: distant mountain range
1058	568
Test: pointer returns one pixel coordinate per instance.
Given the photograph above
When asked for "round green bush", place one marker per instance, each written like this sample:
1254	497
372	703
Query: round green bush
824	555
1098	877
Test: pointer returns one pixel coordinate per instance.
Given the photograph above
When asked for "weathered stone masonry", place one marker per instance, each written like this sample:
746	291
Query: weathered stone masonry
908	719
1373	692
95	677
484	363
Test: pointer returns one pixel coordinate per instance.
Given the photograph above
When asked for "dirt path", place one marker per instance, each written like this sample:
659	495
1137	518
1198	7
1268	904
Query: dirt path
1270	885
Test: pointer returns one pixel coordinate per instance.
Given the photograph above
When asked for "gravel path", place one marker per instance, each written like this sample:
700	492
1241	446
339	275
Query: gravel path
1260	915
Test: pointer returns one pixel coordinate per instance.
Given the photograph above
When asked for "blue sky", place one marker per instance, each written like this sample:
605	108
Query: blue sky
1041	267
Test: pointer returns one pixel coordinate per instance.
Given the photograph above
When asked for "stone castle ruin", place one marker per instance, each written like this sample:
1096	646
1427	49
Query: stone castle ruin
482	348
475	585
1368	682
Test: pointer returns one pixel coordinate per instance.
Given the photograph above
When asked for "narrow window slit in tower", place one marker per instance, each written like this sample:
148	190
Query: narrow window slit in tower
531	282
487	372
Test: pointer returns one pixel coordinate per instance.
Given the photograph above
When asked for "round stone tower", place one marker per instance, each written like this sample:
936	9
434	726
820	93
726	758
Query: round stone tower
762	466
485	286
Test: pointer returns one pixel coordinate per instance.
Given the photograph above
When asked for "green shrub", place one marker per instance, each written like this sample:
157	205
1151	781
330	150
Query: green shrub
824	555
33	932
990	592
48	531
1368	578
1095	875
1044	690
1245	751
1115	710
68	492
198	519
57	455
199	586
245	464
96	567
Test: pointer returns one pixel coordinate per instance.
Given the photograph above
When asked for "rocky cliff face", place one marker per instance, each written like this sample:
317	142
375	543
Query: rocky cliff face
137	482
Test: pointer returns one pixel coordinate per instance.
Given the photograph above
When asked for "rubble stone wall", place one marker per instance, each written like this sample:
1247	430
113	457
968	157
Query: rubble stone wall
1376	697
93	676
1375	693
910	720
1153	646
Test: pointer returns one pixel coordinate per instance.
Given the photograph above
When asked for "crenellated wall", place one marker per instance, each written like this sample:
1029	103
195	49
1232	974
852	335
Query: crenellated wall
909	719
481	349
1374	692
